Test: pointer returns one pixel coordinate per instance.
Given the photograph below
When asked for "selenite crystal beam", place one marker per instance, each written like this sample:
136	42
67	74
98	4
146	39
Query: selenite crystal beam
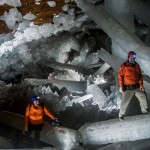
111	60
111	131
117	32
129	145
142	11
147	39
123	13
70	85
80	99
102	69
61	66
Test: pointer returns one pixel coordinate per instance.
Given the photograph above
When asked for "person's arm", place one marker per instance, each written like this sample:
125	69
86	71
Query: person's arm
140	79
121	77
26	120
48	113
140	76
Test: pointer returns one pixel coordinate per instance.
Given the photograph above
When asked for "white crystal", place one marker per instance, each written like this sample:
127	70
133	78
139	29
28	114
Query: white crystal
51	3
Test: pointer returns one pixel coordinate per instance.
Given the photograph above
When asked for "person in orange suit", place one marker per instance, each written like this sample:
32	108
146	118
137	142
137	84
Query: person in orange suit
34	118
131	82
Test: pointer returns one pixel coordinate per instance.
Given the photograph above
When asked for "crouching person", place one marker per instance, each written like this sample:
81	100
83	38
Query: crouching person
34	118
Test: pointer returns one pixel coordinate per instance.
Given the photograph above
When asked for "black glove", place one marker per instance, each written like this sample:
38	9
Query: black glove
55	122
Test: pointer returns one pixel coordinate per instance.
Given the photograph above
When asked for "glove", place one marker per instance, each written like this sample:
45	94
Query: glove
141	88
55	119
55	122
26	128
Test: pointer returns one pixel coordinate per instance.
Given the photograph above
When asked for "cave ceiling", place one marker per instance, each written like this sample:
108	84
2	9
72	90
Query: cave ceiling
43	12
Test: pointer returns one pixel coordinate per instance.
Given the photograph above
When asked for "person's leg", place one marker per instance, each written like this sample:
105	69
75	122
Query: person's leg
32	128
126	98
37	135
36	139
142	99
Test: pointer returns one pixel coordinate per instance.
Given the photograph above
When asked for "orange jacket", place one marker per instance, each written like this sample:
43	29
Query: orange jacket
34	114
129	75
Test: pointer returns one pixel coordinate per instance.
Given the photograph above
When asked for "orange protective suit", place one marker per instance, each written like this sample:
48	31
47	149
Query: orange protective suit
131	83
34	114
129	75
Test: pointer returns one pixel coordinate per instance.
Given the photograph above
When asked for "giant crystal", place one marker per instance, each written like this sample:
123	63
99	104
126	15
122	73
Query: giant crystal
111	131
117	32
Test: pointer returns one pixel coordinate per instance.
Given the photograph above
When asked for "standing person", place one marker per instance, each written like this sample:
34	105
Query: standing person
34	118
131	82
